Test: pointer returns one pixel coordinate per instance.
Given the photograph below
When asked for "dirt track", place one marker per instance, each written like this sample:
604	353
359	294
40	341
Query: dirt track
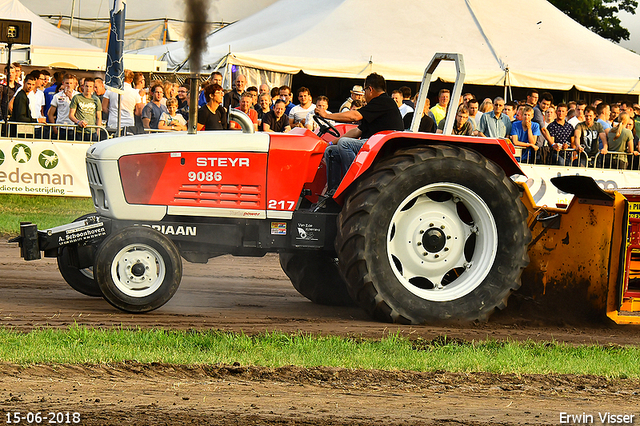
253	295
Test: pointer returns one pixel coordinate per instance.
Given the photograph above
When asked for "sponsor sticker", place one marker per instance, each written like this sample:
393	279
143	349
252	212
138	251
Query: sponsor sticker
308	232
278	228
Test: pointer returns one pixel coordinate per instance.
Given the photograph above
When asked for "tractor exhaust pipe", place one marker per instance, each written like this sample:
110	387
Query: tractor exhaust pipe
193	103
196	11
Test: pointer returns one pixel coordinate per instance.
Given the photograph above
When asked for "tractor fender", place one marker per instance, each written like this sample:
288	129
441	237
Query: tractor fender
384	144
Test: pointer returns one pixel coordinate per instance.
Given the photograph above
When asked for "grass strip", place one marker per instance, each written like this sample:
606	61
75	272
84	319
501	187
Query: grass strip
80	344
45	211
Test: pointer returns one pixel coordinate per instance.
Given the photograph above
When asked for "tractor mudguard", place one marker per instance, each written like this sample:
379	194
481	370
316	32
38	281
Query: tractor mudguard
384	143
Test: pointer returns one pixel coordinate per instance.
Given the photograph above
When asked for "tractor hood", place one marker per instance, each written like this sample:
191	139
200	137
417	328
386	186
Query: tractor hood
211	141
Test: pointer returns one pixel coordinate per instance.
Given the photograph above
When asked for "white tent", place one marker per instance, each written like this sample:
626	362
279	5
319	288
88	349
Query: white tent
147	23
529	43
50	47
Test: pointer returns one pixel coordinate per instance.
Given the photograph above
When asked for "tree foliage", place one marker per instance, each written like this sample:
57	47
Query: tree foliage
599	15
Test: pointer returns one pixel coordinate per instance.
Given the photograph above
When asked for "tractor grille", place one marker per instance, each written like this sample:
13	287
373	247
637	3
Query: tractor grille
94	174
245	196
96	186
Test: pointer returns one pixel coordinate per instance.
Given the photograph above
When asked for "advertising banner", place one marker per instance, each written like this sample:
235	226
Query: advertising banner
538	179
43	168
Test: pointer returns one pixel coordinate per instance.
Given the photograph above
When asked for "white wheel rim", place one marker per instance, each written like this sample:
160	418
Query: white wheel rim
426	242
138	270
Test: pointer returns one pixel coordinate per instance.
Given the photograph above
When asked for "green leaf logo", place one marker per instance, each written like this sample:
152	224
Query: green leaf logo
48	159
21	153
1	157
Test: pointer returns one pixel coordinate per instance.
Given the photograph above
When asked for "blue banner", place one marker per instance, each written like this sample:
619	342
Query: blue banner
115	67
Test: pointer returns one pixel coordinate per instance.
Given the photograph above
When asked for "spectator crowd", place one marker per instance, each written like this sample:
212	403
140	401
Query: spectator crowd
571	133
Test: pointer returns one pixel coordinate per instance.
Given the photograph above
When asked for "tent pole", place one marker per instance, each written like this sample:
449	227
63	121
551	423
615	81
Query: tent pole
7	71
73	7
164	31
119	109
228	72
505	86
106	49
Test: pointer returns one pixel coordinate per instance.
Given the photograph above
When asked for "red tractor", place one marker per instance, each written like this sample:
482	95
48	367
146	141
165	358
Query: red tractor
430	225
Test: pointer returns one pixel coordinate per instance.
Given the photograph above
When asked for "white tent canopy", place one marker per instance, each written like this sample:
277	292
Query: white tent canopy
43	34
51	47
147	23
528	42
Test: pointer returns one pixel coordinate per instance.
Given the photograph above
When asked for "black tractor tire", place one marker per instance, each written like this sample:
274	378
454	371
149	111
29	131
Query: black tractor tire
80	280
317	277
433	233
138	269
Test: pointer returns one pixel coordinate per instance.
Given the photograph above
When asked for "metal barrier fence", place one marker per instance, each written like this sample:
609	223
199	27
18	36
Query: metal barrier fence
572	158
53	132
63	132
617	160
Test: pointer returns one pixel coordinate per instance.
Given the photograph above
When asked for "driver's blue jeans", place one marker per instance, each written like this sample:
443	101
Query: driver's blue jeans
338	159
348	149
334	168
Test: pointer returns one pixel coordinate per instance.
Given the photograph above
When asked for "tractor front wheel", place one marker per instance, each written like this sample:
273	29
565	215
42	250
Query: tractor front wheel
138	269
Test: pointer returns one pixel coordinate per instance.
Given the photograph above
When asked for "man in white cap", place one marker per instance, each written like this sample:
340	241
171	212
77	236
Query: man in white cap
357	93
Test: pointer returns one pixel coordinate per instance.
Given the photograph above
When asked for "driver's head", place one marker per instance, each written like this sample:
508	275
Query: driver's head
374	84
375	81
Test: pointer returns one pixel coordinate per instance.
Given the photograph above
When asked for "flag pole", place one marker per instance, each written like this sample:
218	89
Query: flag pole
115	51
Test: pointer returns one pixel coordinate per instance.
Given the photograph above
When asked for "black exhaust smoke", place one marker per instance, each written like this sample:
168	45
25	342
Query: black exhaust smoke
196	42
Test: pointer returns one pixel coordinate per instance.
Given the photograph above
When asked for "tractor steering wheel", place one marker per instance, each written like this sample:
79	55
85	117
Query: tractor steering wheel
325	126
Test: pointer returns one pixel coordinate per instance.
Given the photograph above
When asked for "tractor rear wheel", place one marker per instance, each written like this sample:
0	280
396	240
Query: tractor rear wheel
138	269
316	276
433	233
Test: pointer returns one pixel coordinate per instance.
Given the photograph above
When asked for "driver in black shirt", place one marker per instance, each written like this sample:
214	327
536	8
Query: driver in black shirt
379	114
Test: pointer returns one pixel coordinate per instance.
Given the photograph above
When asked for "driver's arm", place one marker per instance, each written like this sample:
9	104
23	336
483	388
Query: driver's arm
341	117
354	133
